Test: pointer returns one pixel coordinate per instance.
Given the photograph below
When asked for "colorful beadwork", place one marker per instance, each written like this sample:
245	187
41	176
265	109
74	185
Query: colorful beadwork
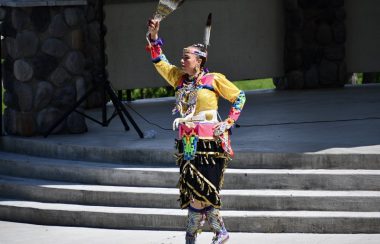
237	106
186	99
189	146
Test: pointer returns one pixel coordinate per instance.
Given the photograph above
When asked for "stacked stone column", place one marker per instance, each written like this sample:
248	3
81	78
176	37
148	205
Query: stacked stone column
314	44
51	57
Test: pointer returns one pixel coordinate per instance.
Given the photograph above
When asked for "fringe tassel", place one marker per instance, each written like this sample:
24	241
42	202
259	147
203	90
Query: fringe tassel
206	160
212	160
221	182
178	158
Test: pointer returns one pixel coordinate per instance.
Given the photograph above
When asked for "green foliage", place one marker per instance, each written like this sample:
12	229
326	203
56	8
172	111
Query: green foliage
248	85
167	91
360	78
141	93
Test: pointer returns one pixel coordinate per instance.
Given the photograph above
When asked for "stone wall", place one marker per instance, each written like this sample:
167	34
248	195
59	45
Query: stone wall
314	44
51	58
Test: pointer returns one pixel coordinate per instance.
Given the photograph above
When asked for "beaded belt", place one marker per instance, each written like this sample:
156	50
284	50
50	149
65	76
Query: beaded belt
203	130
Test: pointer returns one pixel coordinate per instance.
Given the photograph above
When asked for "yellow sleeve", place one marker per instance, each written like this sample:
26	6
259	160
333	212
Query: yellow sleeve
169	72
225	88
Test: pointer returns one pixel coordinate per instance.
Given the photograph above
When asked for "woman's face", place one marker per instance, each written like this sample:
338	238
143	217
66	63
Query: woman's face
190	61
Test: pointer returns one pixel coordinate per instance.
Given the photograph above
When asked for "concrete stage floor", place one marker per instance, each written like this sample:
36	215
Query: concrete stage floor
337	121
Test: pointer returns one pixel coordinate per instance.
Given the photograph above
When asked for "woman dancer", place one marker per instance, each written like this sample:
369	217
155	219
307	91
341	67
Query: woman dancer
203	144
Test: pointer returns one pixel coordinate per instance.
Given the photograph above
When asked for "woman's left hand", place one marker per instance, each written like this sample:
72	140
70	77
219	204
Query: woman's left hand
153	28
221	127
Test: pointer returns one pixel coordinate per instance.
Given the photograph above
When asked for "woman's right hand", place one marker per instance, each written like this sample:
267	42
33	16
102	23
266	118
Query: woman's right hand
153	28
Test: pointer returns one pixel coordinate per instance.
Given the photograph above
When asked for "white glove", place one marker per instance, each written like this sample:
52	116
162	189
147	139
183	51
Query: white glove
222	127
177	121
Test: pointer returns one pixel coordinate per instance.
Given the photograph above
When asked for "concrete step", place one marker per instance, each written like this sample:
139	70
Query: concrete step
155	176
151	197
174	219
13	232
243	158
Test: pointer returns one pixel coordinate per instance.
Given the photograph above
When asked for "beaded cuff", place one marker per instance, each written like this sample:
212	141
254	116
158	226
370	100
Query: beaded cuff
158	42
155	50
237	107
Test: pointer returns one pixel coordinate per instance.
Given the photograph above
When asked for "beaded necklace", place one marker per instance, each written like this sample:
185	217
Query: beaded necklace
186	96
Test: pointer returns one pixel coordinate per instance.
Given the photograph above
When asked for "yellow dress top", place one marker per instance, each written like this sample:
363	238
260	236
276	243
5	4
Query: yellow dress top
206	99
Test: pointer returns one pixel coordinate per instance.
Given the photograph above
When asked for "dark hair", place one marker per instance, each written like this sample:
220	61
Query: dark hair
201	47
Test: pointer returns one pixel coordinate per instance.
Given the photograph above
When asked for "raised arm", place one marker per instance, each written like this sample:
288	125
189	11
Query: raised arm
169	72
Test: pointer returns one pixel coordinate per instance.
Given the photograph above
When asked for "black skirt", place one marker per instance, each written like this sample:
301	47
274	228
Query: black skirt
202	177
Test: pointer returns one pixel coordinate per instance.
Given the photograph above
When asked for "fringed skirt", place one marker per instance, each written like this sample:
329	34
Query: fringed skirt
202	177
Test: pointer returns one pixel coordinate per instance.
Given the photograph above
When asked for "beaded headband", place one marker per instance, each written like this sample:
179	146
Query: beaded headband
195	52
